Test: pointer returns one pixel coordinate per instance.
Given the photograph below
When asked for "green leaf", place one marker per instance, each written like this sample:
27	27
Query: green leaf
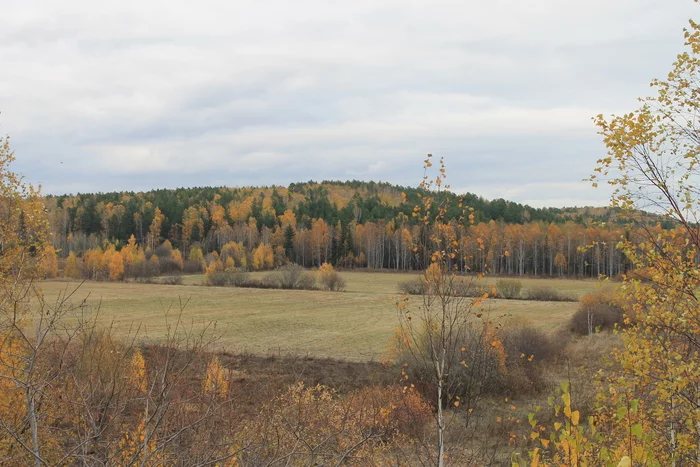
635	405
637	430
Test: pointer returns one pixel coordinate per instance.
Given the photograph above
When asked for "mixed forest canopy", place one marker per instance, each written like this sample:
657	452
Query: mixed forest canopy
348	224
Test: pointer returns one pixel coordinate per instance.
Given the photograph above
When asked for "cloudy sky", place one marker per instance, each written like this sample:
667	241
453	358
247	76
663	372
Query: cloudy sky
101	96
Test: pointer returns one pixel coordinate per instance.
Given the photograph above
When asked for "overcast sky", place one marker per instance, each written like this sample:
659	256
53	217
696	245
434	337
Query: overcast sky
134	95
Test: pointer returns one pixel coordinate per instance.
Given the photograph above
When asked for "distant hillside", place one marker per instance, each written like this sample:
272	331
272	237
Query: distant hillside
120	213
348	224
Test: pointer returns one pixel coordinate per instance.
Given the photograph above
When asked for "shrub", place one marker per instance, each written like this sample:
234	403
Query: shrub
597	311
476	365
391	410
197	257
329	278
144	270
239	278
522	338
172	280
459	288
547	294
191	267
508	361
219	278
164	250
509	288
168	265
145	280
412	287
290	276
468	289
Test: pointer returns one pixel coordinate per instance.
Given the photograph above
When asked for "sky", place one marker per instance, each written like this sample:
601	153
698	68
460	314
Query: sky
137	95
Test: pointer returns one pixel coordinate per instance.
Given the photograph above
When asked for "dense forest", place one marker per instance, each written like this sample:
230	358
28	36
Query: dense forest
348	224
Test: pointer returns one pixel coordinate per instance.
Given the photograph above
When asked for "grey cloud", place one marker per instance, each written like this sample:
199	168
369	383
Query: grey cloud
139	95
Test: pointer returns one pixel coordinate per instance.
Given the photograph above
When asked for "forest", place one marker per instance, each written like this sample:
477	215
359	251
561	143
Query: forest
346	224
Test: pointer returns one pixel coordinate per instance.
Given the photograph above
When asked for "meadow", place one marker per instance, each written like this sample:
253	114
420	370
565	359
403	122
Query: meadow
354	325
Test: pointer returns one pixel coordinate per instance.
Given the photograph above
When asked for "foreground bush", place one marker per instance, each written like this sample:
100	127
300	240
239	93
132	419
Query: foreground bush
485	360
316	426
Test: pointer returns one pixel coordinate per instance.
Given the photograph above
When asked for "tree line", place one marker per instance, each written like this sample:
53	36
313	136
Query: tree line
348	225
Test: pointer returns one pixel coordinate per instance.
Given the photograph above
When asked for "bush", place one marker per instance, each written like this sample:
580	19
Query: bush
509	361
239	278
168	265
191	267
460	288
329	278
412	287
391	410
219	278
143	270
333	282
477	367
172	280
290	276
164	251
509	288
597	311
547	294
468	289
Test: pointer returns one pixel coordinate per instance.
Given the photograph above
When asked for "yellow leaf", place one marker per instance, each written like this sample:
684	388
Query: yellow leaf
575	417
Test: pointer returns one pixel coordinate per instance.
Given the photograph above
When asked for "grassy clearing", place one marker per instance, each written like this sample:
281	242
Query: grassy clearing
355	325
388	282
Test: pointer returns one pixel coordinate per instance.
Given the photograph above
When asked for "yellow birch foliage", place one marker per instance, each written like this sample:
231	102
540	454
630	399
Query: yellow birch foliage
72	267
325	271
196	256
263	257
12	400
176	256
137	376
653	155
24	227
116	267
48	264
216	379
649	403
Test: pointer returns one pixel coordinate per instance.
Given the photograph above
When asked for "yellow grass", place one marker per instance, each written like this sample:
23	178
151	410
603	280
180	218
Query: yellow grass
353	325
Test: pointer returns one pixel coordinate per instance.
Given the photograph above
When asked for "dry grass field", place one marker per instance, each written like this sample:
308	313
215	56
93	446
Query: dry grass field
355	325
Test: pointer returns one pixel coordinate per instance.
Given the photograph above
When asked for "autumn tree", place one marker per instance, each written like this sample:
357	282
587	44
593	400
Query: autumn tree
649	404
116	267
263	257
155	229
652	163
24	233
70	392
433	334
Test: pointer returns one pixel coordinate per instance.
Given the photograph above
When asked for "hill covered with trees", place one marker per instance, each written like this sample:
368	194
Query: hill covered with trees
348	224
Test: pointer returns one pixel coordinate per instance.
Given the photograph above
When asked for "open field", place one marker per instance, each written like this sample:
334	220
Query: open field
353	325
